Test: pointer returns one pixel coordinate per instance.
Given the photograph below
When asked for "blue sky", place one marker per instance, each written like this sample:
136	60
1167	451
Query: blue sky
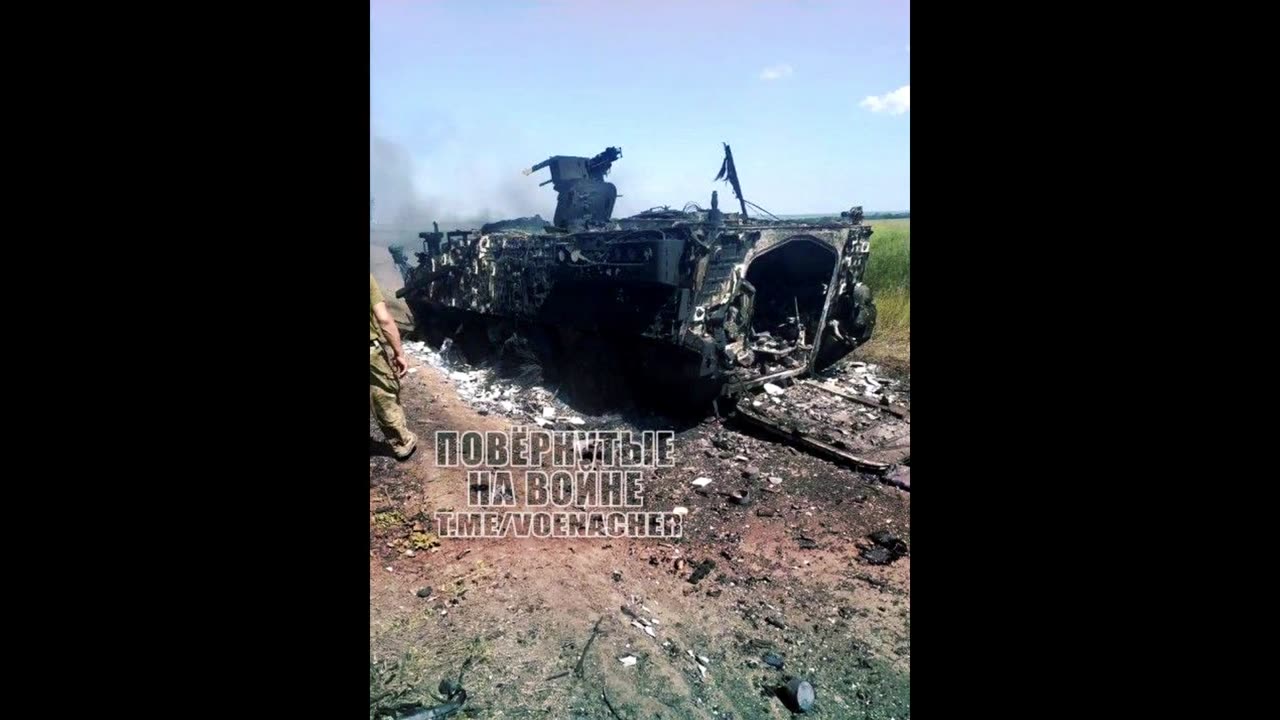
814	98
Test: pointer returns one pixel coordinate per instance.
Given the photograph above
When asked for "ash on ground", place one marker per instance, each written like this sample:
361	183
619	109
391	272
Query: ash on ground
521	399
851	414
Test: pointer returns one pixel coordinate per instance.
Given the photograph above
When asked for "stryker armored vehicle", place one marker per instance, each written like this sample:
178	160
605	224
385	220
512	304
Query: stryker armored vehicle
693	303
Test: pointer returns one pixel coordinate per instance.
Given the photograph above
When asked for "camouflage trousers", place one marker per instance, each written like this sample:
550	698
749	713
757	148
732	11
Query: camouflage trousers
384	397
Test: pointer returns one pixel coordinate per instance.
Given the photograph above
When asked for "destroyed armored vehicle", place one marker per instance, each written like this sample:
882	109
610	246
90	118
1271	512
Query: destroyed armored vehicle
697	302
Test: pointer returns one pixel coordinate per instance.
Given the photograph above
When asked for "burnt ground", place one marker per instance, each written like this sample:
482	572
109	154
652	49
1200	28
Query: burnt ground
789	579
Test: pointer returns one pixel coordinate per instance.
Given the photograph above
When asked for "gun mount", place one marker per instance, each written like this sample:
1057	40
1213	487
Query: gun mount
431	242
700	303
584	199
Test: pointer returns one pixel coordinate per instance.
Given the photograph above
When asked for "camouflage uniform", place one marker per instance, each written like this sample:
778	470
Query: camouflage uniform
384	386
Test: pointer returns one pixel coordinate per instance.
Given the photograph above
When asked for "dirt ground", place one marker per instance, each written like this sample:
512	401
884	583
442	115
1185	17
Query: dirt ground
517	614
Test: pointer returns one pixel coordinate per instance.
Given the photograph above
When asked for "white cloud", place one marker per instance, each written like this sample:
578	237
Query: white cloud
775	72
894	103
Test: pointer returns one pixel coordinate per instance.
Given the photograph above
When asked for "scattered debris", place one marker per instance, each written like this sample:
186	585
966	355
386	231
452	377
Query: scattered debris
424	592
704	567
577	669
773	661
773	390
702	482
645	627
899	477
798	695
454	697
806	442
679	510
627	661
888	548
889	540
881	404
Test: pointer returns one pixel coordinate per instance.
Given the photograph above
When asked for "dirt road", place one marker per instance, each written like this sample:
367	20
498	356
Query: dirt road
789	582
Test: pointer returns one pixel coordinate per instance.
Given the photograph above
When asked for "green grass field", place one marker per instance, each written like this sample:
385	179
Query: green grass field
889	276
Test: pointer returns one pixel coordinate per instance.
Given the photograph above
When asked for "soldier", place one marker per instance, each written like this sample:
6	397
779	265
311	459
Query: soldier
384	382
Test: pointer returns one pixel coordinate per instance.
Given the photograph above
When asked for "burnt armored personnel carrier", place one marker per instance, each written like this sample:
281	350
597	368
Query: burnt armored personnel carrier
690	304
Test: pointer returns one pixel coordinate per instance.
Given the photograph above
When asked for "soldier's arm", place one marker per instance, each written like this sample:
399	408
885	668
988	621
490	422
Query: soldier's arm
392	334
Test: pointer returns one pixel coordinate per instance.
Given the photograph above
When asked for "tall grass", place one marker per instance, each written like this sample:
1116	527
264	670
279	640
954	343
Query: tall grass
890	264
889	276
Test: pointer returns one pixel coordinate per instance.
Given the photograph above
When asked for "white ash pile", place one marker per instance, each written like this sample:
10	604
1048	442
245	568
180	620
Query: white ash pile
482	389
860	378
